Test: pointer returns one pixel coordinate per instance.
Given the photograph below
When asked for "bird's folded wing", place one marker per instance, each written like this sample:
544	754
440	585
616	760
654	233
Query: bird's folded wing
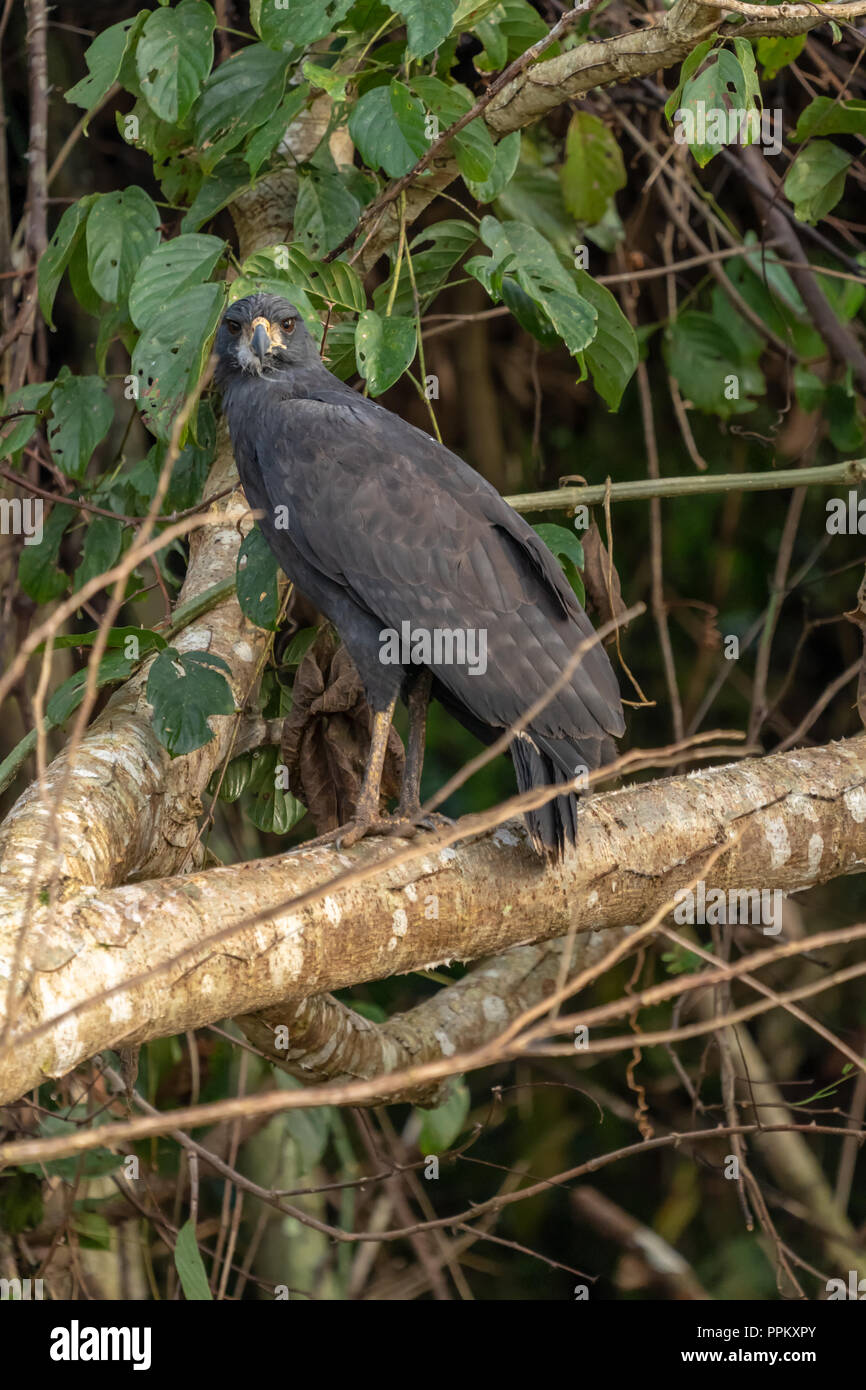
415	535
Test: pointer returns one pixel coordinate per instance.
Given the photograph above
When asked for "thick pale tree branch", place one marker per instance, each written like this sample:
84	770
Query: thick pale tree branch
122	965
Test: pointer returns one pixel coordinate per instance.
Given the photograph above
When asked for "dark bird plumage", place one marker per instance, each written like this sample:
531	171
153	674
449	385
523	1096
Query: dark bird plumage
383	526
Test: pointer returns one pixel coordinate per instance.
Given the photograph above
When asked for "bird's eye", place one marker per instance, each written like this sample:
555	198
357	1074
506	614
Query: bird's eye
233	327
288	325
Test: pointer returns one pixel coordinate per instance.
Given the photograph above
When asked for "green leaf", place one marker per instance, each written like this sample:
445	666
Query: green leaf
104	60
515	22
435	251
593	170
241	95
174	56
52	264
612	356
702	355
101	549
170	354
775	54
121	229
816	180
236	777
230	177
531	317
21	1203
384	348
185	689
534	196
473	145
81	416
174	266
190	1266
441	1126
525	255
31	403
336	284
38	574
506	156
92	1229
257	579
272	807
387	125
690	65
67	697
300	22
809	388
824	116
844	419
428	22
714	105
264	141
325	213
565	545
326	79
144	638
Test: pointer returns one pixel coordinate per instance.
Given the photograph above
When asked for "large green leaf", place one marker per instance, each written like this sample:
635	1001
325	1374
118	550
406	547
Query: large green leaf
170	354
388	126
714	102
264	141
257	580
104	59
704	357
506	157
816	180
384	348
524	254
241	95
222	184
326	211
825	116
174	266
435	251
122	228
299	22
81	416
174	56
428	22
593	170
333	285
58	253
185	689
101	549
38	574
612	356
473	145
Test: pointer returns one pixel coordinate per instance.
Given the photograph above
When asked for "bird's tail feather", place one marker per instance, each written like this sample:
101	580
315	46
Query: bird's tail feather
540	761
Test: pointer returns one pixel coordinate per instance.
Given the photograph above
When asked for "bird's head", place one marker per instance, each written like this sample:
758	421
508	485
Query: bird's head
260	335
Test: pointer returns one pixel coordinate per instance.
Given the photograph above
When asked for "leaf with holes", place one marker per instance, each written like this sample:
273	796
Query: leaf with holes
174	266
384	348
258	581
170	354
104	59
241	95
81	416
185	689
326	211
122	228
299	22
174	56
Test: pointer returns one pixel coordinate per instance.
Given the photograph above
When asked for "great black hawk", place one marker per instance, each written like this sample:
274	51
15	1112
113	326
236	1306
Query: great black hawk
390	534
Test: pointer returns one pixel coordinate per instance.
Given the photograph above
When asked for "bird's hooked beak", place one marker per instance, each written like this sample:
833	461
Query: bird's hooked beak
261	339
